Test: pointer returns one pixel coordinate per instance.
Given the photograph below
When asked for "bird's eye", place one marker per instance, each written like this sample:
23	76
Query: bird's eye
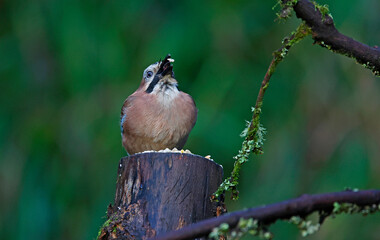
149	74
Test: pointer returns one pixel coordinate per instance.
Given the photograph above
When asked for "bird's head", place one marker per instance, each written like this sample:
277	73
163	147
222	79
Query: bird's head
159	77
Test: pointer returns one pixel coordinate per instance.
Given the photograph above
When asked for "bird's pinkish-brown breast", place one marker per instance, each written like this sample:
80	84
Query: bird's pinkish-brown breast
152	122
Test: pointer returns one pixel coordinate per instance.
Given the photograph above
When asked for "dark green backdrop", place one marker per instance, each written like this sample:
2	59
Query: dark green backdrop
67	66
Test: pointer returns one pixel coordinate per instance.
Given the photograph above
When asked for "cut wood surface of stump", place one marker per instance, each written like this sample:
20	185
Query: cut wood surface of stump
157	192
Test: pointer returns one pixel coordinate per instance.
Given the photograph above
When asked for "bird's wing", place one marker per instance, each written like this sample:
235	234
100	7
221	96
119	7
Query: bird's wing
124	110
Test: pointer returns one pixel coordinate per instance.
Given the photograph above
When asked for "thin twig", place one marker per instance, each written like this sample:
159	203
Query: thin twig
254	133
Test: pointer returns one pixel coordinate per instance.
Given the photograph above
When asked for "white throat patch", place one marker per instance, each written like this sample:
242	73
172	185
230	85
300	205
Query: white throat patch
165	93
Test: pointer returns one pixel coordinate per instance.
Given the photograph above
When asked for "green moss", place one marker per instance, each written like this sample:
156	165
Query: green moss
219	231
323	9
245	226
367	65
253	227
254	132
105	224
286	9
305	226
351	208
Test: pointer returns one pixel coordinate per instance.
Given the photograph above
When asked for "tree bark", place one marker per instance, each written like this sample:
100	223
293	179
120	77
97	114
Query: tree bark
157	192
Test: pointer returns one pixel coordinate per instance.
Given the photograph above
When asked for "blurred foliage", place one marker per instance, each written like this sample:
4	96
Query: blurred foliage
67	66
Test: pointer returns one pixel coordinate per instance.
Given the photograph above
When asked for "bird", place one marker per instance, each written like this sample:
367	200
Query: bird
157	115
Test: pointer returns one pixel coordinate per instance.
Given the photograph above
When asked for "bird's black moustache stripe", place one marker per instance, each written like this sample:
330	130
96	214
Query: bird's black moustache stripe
164	69
153	83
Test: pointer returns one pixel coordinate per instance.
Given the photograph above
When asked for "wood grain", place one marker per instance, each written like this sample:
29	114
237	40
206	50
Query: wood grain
160	192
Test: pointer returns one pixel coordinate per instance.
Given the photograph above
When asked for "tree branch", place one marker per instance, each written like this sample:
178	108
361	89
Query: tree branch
302	206
326	35
254	133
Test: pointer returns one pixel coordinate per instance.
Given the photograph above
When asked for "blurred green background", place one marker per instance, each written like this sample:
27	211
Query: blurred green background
67	66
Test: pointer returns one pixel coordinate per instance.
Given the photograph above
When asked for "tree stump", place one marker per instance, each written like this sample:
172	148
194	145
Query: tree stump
157	192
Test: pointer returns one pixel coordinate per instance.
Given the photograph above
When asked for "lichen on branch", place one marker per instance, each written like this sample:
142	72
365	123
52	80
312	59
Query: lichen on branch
324	33
294	211
245	226
255	132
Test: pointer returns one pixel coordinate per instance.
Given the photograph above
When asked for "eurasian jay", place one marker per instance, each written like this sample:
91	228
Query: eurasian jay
157	115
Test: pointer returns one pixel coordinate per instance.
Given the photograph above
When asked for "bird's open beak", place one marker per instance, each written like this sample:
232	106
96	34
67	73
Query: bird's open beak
166	67
164	74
